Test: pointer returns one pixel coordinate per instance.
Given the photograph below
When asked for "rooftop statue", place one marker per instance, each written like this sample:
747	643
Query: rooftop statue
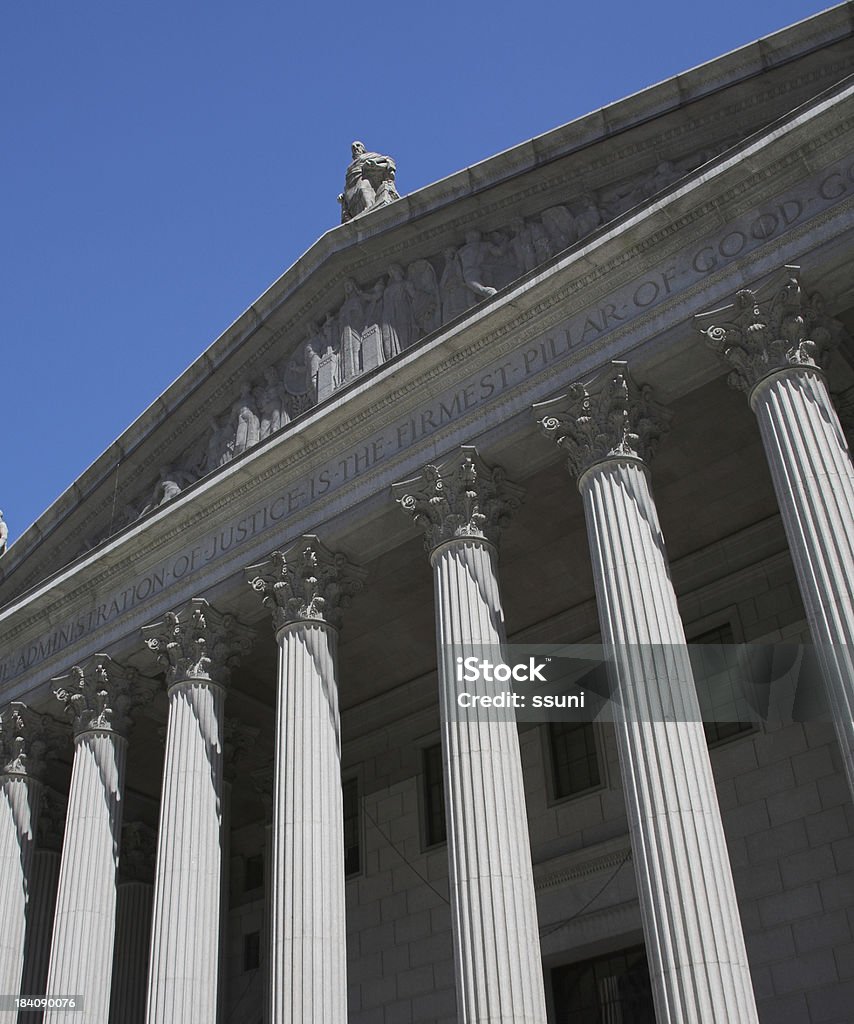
4	535
369	182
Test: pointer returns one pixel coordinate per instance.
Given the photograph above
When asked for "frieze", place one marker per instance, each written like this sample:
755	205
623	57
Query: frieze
517	361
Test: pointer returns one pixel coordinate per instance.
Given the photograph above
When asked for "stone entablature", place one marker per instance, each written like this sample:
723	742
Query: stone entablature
587	157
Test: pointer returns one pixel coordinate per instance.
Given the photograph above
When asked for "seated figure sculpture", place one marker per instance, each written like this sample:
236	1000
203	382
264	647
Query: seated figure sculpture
369	182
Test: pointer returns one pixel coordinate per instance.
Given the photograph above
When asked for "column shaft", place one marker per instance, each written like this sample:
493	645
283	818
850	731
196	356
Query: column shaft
130	962
184	964
308	957
694	939
19	804
496	940
814	481
85	917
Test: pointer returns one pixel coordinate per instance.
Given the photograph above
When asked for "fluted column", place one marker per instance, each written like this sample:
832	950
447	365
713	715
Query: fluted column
694	940
460	506
775	349
304	588
23	745
197	646
133	924
99	696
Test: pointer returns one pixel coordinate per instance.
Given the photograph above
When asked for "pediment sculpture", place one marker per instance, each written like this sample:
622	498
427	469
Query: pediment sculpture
378	321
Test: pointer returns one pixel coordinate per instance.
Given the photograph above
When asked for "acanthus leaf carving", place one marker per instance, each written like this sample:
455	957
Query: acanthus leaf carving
27	739
100	694
460	498
306	582
197	642
757	336
611	418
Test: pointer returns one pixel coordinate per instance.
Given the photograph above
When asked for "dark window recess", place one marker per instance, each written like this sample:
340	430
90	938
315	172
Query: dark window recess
608	988
434	796
253	877
352	852
575	766
251	951
719	687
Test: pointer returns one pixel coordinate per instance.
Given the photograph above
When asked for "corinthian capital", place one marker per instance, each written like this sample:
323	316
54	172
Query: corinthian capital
461	498
198	643
101	694
613	418
308	581
757	336
25	738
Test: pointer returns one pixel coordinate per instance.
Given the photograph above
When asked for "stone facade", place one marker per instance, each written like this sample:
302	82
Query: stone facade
290	820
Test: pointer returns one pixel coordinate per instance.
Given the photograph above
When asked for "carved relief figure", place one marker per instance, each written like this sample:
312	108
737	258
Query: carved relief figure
246	419
559	225
456	296
426	304
271	404
473	255
499	267
311	361
397	321
220	445
587	215
522	246
368	182
351	323
331	350
169	485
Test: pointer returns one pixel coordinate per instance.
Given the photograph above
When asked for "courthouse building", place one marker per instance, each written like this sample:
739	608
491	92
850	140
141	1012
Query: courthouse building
237	781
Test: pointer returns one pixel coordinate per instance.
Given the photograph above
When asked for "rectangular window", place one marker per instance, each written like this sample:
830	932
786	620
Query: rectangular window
613	988
253	877
251	951
575	764
434	796
352	851
725	711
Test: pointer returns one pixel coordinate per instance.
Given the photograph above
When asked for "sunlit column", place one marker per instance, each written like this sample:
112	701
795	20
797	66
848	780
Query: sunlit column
694	940
775	349
304	588
197	647
99	696
23	745
460	505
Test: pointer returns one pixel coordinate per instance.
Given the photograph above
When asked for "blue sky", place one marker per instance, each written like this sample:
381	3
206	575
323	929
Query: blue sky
165	162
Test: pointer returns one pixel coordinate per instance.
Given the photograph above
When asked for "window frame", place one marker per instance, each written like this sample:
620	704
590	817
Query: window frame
549	765
425	745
